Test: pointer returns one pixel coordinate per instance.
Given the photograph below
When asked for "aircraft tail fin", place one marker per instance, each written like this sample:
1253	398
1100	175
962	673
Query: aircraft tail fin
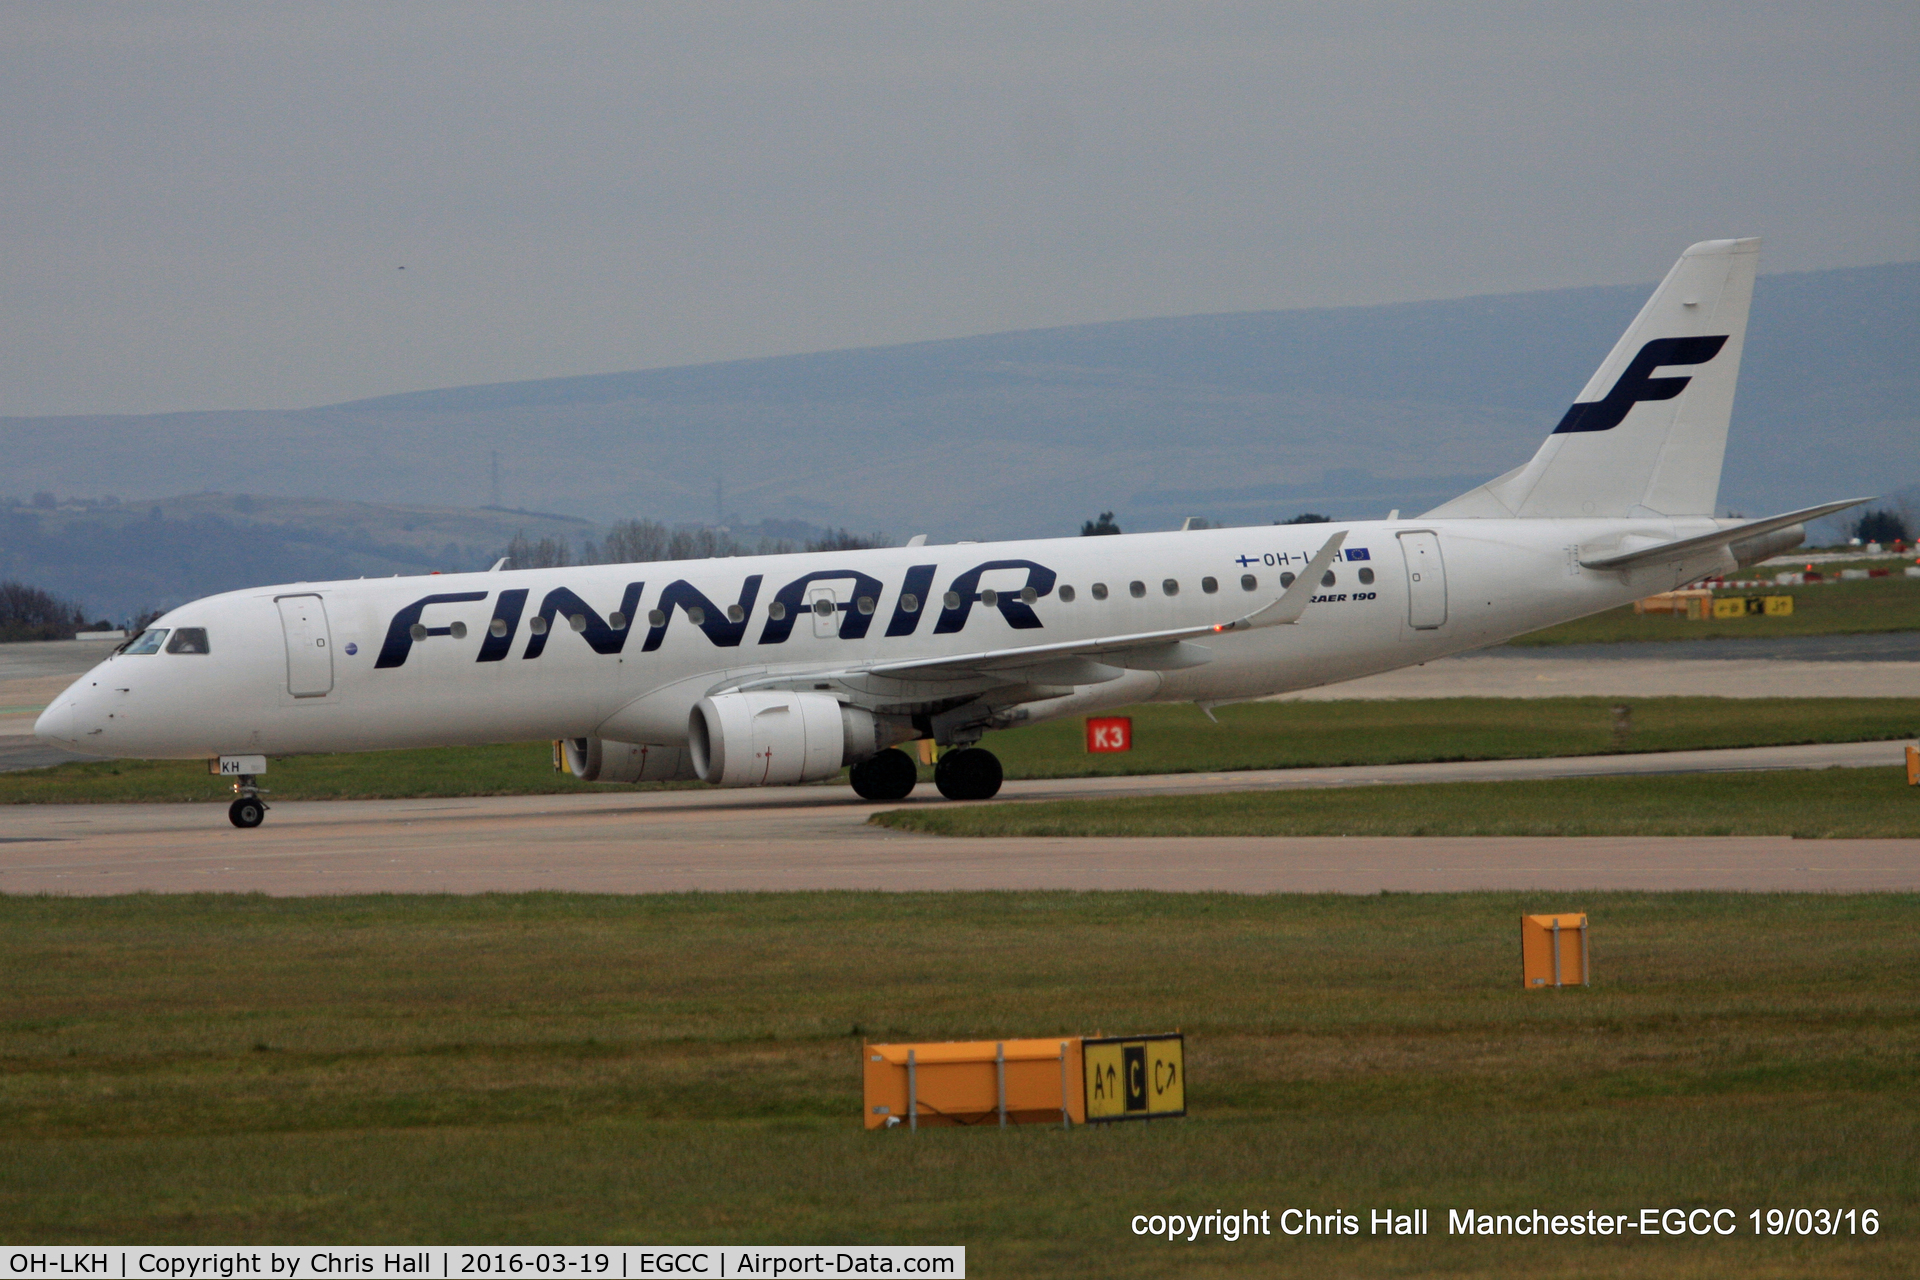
1648	434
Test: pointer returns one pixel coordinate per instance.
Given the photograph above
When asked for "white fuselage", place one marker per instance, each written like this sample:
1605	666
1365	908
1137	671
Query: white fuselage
298	668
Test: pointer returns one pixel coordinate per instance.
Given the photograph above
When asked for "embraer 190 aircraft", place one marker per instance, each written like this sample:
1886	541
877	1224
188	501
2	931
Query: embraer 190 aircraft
769	670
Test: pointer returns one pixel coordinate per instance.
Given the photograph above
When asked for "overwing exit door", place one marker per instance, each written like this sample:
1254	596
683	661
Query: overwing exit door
309	646
824	605
1426	580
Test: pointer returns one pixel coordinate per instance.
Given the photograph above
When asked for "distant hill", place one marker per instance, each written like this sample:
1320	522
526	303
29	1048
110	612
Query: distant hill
1237	418
122	559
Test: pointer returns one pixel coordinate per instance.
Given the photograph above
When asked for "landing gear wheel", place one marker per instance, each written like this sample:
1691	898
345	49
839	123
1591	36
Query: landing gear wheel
887	776
246	813
968	774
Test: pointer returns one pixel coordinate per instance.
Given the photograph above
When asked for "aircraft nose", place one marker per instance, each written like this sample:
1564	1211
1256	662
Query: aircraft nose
55	724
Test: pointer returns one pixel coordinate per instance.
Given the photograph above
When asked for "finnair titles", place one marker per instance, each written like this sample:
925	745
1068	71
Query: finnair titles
770	670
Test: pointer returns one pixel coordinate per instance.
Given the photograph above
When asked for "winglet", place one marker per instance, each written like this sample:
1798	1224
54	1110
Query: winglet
1294	600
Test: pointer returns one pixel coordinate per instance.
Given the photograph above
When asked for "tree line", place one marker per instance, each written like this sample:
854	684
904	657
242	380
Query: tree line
644	541
28	613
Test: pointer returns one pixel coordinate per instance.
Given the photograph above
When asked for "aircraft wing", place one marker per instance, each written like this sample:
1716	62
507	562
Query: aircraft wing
1667	551
1089	661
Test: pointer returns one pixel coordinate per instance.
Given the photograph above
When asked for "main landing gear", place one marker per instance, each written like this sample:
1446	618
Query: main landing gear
249	811
887	776
971	773
967	774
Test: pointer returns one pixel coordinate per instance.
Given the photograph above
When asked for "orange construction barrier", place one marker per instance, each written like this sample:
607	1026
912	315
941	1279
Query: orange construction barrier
974	1082
1695	603
1068	1081
1553	950
1913	766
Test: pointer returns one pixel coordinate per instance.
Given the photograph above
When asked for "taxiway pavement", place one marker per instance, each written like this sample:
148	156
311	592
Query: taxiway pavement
818	838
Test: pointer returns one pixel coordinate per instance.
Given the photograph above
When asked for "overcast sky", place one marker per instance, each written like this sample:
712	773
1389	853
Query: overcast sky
210	206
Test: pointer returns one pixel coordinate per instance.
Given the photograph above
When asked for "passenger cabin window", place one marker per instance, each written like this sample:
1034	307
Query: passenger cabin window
1209	585
1137	589
1099	591
1066	595
1328	580
188	640
147	641
1171	587
1248	582
1366	577
909	603
1286	580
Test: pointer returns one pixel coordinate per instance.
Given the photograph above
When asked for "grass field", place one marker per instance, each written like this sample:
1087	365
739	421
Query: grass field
1168	739
1811	804
541	1068
1273	735
1837	608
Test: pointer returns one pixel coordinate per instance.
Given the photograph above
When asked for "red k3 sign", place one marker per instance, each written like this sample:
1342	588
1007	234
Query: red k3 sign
1109	733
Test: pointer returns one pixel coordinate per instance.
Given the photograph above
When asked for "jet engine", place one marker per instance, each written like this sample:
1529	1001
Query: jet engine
774	738
599	760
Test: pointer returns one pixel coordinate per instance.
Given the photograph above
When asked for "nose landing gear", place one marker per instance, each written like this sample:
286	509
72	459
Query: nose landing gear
249	811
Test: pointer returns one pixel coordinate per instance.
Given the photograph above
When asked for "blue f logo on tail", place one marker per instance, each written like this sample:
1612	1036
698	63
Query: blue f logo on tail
1637	383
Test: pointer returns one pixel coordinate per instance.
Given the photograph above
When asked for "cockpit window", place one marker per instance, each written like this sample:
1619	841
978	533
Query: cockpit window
147	641
188	640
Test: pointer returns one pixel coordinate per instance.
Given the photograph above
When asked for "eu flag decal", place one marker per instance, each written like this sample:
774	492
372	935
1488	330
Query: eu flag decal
1358	553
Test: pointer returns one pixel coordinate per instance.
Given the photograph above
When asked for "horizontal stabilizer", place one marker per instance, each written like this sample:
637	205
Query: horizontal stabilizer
1666	552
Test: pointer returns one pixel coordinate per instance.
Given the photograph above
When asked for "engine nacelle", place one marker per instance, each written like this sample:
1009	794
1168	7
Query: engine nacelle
599	760
776	738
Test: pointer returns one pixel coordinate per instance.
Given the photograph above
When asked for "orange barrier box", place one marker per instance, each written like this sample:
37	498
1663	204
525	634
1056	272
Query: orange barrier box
1553	950
974	1082
1913	766
1694	603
